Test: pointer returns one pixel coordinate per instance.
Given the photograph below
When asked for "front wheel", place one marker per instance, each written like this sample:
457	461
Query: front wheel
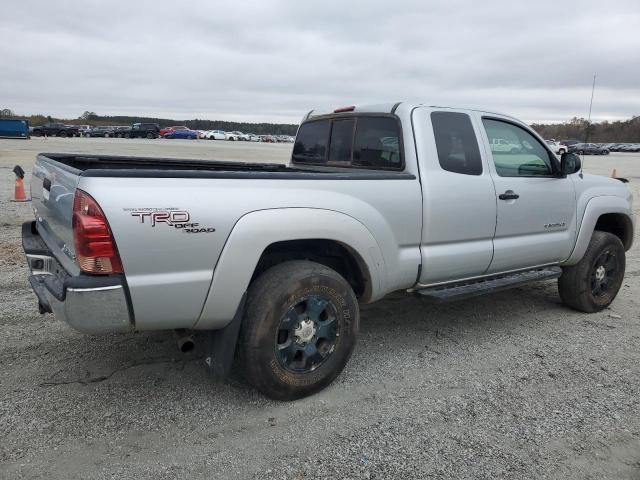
593	283
299	329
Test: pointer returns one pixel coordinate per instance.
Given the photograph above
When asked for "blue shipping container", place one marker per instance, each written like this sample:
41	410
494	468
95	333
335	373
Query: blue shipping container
14	128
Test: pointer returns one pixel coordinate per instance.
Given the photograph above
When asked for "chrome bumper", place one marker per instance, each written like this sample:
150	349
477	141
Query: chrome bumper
89	304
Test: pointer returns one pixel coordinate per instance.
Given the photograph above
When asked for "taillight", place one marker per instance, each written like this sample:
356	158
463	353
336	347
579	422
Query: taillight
96	249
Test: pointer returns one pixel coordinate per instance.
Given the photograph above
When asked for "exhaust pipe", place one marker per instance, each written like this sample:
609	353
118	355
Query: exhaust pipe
185	340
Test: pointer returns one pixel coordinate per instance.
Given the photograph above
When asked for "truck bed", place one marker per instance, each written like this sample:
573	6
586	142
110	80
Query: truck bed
128	166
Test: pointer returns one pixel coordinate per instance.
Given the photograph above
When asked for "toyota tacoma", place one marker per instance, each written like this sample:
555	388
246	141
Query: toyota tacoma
273	261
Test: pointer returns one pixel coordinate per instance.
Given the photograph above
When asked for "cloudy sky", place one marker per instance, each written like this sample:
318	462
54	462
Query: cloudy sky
272	60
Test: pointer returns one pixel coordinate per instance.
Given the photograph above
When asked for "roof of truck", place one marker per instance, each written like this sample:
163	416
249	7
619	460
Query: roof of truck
391	107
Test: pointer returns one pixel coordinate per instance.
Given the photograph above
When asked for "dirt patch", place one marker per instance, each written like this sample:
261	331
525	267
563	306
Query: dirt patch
11	254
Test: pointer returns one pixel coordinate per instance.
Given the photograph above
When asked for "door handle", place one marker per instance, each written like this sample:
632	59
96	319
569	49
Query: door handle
508	195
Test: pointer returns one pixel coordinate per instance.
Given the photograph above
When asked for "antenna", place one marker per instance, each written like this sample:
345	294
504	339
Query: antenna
586	135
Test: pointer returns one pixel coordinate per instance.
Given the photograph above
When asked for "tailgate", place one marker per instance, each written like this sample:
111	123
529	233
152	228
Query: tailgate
53	185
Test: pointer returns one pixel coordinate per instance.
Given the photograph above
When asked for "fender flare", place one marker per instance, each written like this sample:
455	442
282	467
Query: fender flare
596	207
255	231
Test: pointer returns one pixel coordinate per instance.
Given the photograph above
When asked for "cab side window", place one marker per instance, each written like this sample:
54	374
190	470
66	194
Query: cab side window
516	153
456	143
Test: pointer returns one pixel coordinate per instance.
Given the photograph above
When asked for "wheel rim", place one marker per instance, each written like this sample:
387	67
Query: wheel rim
603	273
307	334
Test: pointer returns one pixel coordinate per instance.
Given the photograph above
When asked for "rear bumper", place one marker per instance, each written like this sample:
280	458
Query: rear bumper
89	304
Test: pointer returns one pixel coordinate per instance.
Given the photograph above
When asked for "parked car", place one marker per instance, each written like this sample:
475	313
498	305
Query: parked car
267	138
500	145
83	130
556	147
140	130
55	130
236	136
185	134
215	135
14	128
568	143
100	132
616	147
165	130
588	149
252	137
631	147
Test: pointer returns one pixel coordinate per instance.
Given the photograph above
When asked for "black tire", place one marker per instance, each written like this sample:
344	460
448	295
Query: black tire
282	295
578	285
580	152
37	133
62	134
150	135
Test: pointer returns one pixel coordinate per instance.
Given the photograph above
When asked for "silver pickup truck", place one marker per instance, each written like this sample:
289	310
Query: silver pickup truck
273	260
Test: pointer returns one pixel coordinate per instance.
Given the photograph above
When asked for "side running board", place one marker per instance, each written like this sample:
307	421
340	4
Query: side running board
449	293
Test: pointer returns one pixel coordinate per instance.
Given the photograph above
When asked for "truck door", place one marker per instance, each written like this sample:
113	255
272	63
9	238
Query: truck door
459	205
536	213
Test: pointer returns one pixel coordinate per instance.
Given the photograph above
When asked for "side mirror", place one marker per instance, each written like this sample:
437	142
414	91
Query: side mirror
570	163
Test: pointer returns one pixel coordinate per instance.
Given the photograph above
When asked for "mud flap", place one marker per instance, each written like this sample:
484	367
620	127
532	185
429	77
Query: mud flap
221	345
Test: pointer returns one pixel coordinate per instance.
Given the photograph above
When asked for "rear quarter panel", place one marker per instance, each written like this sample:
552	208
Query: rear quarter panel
169	272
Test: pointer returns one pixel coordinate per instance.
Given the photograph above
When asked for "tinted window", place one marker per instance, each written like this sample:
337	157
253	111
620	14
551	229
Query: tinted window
377	143
341	142
516	153
456	143
311	142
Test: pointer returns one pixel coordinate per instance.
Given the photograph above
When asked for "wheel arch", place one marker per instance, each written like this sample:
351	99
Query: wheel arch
332	253
617	224
605	213
267	237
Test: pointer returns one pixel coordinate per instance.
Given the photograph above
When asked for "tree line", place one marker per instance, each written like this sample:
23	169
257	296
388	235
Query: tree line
620	131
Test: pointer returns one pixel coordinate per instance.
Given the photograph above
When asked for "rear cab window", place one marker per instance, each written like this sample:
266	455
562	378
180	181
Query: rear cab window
354	141
456	143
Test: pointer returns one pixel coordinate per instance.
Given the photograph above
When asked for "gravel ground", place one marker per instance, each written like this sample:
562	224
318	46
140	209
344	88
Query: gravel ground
512	385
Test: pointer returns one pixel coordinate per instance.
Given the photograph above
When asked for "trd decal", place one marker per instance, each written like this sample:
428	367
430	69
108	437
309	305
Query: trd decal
173	217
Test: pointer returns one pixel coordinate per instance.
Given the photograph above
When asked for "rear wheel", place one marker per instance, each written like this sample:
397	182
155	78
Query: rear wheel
150	135
62	134
593	283
299	329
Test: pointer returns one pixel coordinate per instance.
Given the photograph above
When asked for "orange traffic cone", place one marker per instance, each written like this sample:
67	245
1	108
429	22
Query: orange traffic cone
19	195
